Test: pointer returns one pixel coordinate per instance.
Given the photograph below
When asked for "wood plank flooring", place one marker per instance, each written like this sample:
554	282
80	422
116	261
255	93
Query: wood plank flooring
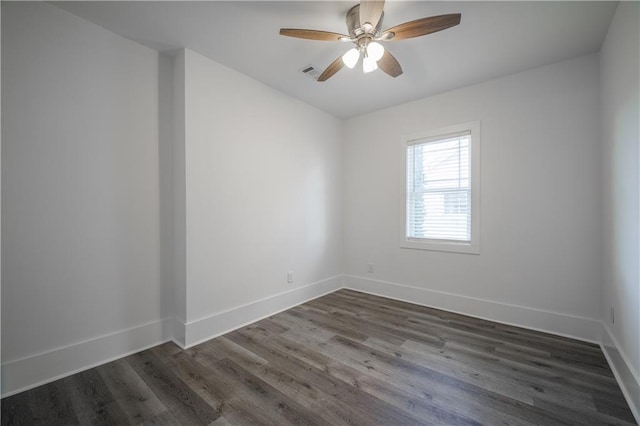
347	358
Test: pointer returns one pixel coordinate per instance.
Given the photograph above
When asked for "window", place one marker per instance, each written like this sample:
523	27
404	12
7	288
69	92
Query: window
442	190
457	202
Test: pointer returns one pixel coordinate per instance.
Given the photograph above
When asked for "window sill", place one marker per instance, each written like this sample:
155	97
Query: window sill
446	246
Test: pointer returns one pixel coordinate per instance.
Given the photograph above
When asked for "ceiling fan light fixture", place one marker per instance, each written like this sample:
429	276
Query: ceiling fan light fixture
364	25
375	51
369	65
350	58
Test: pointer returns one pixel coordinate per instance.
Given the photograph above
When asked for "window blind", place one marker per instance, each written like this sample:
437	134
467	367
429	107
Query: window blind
439	188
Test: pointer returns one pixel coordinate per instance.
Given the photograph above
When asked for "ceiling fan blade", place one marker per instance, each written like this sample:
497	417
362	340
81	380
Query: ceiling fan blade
387	35
423	26
312	34
331	69
389	64
370	12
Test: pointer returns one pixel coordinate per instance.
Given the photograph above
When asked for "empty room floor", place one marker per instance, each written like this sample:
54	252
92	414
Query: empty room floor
344	358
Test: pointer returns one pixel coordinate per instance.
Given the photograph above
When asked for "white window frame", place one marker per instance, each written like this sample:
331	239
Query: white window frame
472	247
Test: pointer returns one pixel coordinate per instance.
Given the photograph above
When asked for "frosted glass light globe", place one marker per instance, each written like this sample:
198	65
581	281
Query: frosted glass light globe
350	58
368	65
375	51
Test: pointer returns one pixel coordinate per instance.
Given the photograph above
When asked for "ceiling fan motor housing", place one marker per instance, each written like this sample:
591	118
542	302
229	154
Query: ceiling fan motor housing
353	23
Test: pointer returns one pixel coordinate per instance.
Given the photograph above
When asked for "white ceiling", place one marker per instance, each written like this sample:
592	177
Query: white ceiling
493	39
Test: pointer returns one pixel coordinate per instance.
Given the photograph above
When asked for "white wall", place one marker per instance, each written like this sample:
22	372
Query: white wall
179	200
80	188
540	198
263	191
620	88
165	182
117	163
0	194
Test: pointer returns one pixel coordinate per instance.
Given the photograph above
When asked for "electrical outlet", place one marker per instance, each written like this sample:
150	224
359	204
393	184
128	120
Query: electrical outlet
370	268
290	276
613	316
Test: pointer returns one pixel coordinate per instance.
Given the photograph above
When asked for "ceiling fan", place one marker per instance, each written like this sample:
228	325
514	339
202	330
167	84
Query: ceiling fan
364	21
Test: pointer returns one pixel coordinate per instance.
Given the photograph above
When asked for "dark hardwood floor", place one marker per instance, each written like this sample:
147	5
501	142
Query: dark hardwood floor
345	358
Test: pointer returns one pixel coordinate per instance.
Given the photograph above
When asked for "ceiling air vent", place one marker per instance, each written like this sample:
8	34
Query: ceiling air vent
310	72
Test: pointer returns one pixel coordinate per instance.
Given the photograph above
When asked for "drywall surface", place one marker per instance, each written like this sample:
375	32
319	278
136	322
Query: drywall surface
0	191
620	88
179	237
263	190
166	201
80	221
539	199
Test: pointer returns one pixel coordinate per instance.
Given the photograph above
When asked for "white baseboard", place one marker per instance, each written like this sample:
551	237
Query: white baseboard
32	371
29	372
35	370
580	328
623	370
223	322
179	330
